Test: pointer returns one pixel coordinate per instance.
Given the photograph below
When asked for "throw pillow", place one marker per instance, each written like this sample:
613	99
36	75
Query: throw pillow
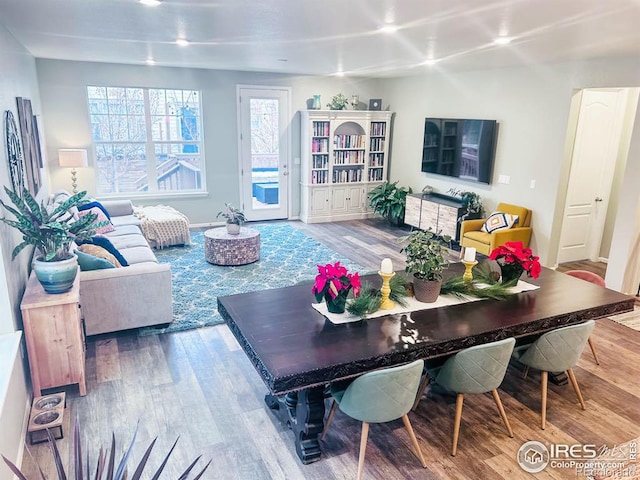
105	243
99	252
101	218
89	262
499	221
94	203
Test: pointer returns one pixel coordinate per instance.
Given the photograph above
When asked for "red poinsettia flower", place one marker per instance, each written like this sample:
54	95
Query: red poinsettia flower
332	279
516	252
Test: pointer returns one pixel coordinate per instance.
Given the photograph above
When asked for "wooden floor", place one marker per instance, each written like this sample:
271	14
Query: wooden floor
200	386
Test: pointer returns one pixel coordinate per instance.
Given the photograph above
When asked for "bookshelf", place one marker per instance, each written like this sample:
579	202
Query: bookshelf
344	154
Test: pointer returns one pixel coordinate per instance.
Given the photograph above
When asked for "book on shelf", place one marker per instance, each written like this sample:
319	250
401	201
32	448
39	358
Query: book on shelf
378	129
320	129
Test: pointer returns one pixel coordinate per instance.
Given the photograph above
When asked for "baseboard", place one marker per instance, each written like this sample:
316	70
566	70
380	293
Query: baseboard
603	259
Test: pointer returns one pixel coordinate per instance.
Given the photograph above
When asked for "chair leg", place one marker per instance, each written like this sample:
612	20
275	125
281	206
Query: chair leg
574	382
593	350
332	412
423	386
363	448
543	383
503	414
525	372
456	425
414	440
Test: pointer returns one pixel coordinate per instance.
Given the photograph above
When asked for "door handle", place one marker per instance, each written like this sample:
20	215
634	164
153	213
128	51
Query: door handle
598	199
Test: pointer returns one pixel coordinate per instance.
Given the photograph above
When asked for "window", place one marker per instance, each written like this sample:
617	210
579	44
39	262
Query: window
147	140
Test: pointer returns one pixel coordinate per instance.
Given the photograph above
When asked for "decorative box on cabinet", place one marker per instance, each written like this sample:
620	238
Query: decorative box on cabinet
345	153
435	211
54	335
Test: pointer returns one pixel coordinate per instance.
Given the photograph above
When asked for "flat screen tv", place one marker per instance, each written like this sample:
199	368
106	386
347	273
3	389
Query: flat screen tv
459	148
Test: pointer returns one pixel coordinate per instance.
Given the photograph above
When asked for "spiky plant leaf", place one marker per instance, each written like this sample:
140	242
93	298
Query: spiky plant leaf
14	469
185	474
197	477
111	464
143	461
56	456
164	462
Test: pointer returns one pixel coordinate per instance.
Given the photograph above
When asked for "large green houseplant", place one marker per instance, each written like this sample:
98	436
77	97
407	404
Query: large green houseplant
51	230
389	201
426	251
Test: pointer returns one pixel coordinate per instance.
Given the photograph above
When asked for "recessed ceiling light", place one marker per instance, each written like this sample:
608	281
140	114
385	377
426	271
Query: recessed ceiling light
150	61
182	42
339	74
431	61
388	28
150	3
502	40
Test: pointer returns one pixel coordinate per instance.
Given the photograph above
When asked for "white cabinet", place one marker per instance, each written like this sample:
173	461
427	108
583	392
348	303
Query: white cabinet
345	153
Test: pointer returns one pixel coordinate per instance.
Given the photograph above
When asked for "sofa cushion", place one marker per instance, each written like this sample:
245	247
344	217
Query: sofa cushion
499	221
101	217
105	243
89	262
99	252
135	255
127	241
94	203
479	237
124	230
125	220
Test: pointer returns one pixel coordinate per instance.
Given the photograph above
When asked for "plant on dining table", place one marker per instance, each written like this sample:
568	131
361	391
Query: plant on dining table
514	256
333	284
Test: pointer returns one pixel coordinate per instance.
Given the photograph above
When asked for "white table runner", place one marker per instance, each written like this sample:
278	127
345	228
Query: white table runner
414	305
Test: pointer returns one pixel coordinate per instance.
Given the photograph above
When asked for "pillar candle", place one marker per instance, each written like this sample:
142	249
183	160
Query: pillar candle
469	254
386	266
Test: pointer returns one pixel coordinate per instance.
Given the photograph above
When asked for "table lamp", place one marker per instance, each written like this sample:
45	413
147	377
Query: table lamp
73	158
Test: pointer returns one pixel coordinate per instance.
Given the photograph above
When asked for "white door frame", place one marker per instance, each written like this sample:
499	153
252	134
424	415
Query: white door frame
287	131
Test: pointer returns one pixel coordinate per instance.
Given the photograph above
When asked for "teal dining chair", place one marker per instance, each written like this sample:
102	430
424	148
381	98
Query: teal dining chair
477	369
556	351
378	397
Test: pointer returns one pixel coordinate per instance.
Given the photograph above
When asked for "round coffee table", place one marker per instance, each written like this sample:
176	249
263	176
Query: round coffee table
220	248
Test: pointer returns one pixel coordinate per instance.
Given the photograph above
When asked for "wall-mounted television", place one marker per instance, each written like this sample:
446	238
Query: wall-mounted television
460	148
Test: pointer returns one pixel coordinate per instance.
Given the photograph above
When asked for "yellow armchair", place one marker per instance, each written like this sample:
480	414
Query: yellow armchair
472	236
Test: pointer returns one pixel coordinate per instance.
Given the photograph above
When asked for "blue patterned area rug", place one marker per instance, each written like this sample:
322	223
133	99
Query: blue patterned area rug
287	256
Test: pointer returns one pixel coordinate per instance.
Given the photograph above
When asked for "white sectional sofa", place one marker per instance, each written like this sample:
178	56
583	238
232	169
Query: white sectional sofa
134	296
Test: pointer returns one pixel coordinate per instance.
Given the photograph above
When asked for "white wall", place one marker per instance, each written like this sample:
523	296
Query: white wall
532	107
18	79
63	93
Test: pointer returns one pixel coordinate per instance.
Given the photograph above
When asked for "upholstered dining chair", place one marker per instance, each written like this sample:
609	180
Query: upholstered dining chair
378	397
556	351
477	369
598	280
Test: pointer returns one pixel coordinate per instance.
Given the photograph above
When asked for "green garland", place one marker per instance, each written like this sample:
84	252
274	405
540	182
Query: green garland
484	285
370	299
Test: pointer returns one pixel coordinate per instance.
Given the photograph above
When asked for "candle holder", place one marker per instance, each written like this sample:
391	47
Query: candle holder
387	303
468	266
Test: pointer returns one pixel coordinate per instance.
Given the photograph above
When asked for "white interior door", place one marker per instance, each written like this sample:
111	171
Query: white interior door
263	117
595	153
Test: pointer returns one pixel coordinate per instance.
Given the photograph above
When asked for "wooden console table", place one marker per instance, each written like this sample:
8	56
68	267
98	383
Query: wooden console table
435	211
55	337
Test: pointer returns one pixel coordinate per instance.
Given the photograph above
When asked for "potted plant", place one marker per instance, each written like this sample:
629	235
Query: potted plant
514	259
389	201
234	216
333	284
338	102
470	201
425	252
51	231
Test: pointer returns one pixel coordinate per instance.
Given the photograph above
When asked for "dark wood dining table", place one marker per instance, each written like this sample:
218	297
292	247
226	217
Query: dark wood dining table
297	351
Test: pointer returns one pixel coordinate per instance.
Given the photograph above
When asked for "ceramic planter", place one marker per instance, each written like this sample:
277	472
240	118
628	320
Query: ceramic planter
56	277
233	228
426	291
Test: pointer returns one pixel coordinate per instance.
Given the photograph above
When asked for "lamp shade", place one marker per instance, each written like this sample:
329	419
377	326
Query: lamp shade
73	157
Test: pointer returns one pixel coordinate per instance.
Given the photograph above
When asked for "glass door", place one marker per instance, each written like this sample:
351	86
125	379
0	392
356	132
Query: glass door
264	151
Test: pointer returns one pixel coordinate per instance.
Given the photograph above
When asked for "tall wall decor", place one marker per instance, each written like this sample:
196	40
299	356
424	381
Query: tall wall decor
14	153
30	145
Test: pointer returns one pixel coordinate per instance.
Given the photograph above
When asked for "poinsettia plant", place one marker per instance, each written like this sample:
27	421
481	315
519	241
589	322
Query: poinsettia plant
334	280
515	253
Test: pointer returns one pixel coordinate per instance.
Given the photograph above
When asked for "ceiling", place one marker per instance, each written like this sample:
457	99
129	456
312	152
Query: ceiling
323	37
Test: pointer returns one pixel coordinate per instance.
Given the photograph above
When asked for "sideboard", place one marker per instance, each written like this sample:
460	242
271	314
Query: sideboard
436	211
